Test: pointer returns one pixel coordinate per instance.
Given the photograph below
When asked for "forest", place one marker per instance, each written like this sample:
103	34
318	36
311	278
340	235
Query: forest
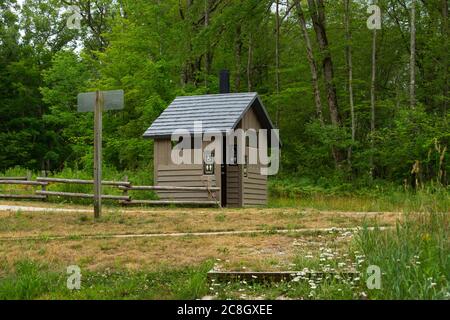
359	209
357	104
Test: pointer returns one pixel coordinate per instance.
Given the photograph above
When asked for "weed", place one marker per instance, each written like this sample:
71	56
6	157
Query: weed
221	217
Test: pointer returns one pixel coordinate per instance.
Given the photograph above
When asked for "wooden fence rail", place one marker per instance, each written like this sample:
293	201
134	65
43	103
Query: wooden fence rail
124	199
25	182
13	178
23	196
79	181
170	188
169	202
81	195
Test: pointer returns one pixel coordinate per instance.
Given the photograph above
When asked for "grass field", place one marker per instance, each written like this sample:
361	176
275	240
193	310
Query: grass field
152	253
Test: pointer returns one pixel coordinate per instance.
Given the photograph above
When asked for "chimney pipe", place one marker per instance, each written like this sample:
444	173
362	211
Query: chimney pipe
224	81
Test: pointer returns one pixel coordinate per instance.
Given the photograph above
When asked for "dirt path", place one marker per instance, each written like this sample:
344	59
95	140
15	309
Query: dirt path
46	221
188	234
40	209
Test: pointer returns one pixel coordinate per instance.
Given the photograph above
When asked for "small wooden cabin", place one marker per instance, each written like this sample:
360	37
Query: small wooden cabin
239	184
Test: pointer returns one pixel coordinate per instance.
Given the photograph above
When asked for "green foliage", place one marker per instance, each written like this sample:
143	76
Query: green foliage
414	135
69	133
157	50
28	282
35	281
414	258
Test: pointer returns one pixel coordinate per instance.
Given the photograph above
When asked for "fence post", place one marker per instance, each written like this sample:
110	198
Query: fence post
44	188
125	190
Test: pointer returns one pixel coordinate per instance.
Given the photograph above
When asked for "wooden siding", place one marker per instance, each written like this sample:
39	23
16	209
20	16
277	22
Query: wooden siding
162	151
185	176
250	121
234	186
254	186
161	156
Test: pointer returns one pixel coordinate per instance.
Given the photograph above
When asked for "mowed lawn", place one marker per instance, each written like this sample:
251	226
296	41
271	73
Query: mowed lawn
254	251
165	253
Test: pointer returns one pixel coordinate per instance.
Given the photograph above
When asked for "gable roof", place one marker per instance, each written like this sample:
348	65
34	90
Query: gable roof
218	112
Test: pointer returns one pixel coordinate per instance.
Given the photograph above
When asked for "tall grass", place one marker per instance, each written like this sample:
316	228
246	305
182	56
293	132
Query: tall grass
383	197
414	258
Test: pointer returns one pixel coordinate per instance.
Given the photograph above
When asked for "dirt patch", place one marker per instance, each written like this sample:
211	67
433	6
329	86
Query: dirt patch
258	252
165	220
250	252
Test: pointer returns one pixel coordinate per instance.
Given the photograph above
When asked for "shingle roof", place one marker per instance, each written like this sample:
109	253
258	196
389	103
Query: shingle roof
216	111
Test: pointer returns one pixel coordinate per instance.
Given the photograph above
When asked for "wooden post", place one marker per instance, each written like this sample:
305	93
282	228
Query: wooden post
44	189
44	186
98	154
97	102
125	190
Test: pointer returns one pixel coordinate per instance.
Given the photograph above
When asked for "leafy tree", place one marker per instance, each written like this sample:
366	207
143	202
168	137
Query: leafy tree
298	61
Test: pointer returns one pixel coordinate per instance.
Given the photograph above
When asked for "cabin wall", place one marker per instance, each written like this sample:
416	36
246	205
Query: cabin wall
168	174
254	185
161	156
234	186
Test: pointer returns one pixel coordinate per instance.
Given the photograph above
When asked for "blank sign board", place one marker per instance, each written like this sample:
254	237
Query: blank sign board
112	100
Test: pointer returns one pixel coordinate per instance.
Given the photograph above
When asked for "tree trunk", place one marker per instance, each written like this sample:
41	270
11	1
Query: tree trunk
277	61
372	98
311	60
208	54
445	51
317	10
412	63
238	57
188	66
350	72
249	64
